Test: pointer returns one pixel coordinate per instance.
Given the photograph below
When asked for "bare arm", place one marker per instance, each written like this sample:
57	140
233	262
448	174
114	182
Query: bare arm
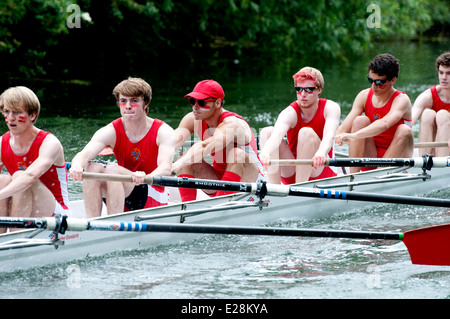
166	141
424	100
102	138
230	130
401	107
357	110
332	114
285	121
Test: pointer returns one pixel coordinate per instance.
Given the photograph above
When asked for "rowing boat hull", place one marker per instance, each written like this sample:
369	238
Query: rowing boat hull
78	245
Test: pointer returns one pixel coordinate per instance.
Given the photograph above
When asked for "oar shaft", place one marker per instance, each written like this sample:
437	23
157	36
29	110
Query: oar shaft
79	224
367	197
236	230
370	162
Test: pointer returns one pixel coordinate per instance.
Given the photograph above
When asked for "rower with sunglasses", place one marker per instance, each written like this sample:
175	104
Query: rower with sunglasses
224	135
384	130
310	124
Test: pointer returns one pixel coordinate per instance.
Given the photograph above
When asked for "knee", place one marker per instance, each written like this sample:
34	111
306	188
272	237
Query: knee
442	118
95	168
237	156
264	135
112	169
305	134
428	117
404	132
360	122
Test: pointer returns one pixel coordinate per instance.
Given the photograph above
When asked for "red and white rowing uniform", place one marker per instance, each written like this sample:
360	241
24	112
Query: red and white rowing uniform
317	123
220	158
437	102
141	156
55	178
383	140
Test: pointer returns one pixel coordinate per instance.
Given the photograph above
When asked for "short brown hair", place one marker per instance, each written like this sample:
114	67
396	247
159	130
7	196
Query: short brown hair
443	59
385	64
134	87
309	73
22	99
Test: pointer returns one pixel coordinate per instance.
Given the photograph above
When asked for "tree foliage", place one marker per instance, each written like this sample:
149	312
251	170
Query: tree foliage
141	37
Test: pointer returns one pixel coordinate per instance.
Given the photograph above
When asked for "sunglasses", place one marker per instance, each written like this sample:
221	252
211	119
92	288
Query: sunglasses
307	89
201	103
377	82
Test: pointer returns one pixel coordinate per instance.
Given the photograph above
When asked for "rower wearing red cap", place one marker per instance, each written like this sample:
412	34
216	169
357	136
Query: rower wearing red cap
225	136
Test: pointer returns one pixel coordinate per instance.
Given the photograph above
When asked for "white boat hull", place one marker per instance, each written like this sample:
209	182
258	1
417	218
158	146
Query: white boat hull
95	243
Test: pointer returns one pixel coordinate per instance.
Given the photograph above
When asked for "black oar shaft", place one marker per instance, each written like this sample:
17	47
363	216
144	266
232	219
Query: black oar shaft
236	230
360	196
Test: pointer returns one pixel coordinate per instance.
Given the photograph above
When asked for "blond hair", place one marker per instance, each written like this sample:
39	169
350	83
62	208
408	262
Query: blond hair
20	99
134	87
309	73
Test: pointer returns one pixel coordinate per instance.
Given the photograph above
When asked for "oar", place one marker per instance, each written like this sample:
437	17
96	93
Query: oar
428	162
263	189
429	246
430	144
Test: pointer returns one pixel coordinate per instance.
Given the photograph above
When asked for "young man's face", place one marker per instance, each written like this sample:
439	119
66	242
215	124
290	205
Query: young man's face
307	93
17	119
444	76
131	107
380	83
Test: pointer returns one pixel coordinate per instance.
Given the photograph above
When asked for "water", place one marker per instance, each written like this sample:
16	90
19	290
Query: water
229	267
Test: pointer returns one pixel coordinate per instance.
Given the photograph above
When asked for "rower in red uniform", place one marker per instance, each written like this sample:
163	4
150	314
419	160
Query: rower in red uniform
433	107
225	136
309	123
385	128
142	146
37	184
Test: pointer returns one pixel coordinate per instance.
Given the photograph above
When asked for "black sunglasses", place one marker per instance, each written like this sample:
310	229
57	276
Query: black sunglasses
377	82
201	103
307	89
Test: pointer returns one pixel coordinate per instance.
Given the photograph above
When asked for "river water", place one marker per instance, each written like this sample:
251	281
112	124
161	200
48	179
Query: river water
229	267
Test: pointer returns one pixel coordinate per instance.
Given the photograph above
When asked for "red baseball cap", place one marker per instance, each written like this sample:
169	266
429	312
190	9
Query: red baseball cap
205	89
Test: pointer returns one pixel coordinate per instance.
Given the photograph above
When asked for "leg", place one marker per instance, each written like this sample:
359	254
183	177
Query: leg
361	147
4	203
94	191
116	192
308	144
242	165
427	129
443	132
36	201
283	152
197	170
403	143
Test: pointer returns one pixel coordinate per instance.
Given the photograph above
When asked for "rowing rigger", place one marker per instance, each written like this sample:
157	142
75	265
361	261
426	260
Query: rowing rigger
428	246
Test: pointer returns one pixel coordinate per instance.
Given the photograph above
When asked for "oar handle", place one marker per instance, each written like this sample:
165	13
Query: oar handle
114	177
430	144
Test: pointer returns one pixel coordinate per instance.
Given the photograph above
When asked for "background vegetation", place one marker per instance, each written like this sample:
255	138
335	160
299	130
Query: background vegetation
121	37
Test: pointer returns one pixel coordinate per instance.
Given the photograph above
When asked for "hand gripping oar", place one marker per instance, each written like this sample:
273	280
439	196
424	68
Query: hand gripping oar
427	246
263	189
